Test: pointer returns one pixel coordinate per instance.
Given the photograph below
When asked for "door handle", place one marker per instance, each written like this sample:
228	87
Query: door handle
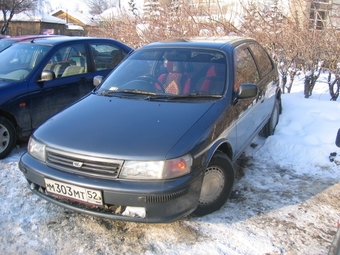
82	79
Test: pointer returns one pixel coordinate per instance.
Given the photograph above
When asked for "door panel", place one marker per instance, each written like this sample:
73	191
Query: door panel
72	81
245	72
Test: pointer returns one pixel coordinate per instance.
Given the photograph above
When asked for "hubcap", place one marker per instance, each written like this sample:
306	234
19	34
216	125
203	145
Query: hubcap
4	138
212	186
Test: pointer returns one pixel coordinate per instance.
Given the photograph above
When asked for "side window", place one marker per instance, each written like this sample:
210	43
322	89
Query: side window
245	67
262	59
68	60
106	56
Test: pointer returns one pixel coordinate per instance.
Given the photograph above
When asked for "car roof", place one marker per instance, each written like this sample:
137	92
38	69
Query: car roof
201	42
62	39
27	37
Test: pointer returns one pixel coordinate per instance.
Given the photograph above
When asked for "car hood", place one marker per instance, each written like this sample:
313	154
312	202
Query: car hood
122	128
4	83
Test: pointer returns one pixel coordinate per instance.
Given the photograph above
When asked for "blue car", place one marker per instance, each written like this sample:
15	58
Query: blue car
157	139
40	77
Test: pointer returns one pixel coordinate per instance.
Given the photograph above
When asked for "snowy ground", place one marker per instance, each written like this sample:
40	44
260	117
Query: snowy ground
286	202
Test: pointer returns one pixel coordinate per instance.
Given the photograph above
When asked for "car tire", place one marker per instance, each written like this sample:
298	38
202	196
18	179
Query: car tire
217	184
270	126
7	137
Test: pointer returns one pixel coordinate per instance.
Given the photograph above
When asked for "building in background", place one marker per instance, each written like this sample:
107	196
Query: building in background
30	24
77	23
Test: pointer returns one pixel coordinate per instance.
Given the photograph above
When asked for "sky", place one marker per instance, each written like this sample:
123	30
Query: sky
77	5
72	5
287	201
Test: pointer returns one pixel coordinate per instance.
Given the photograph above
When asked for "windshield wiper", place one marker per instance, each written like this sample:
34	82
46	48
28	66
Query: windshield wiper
190	96
128	91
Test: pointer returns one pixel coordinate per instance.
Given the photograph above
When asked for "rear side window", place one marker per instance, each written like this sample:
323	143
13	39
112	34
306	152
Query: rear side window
263	61
106	56
245	67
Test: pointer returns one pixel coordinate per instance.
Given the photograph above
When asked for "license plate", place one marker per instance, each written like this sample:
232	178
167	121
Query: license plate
74	192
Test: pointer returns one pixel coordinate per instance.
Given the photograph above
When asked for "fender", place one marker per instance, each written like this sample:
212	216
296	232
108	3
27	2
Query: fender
222	144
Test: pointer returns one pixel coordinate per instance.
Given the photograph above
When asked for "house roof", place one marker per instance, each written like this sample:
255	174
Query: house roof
34	17
75	17
123	9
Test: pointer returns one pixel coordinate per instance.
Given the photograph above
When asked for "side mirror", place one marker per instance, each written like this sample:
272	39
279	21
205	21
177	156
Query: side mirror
97	80
247	90
47	75
337	140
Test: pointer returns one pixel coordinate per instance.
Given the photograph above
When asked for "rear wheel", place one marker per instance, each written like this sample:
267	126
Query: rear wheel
270	126
217	184
7	137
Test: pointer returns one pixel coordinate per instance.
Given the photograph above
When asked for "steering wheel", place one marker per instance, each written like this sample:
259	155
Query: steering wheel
152	80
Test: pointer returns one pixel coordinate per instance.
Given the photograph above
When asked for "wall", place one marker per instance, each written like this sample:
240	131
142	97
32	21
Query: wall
16	28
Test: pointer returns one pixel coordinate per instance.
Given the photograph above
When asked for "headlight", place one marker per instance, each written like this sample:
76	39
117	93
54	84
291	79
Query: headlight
36	149
156	169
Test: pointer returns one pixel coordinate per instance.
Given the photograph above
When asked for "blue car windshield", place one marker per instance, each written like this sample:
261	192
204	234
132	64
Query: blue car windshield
4	44
179	71
20	59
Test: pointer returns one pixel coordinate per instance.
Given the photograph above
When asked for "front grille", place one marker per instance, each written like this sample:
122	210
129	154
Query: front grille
83	164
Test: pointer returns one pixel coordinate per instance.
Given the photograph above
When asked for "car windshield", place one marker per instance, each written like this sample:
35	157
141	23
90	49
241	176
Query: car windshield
169	72
6	43
20	59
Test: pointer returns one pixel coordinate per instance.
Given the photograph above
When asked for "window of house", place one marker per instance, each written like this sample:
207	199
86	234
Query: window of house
318	15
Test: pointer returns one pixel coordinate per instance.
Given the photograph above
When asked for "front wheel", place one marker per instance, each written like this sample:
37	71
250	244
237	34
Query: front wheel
7	137
217	184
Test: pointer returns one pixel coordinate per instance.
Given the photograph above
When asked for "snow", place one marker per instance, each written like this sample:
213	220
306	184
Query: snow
286	200
35	16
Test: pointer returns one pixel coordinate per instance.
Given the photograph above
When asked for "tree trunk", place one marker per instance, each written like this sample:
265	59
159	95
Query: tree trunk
4	28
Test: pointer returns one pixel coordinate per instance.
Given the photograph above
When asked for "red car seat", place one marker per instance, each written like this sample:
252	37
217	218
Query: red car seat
176	81
214	79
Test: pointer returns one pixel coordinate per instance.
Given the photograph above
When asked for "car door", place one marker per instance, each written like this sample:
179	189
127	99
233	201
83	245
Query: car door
74	66
245	72
267	84
70	82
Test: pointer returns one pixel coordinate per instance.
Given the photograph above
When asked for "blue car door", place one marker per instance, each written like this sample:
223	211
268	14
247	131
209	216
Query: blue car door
72	80
267	84
246	109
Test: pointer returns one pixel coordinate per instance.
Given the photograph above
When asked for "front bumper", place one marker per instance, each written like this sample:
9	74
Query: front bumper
163	200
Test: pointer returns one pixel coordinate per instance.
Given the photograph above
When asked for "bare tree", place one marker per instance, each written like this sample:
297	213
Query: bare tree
297	42
99	6
11	7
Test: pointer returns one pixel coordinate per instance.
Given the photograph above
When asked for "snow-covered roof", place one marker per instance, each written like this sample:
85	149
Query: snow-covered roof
74	27
123	9
34	17
85	18
113	12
